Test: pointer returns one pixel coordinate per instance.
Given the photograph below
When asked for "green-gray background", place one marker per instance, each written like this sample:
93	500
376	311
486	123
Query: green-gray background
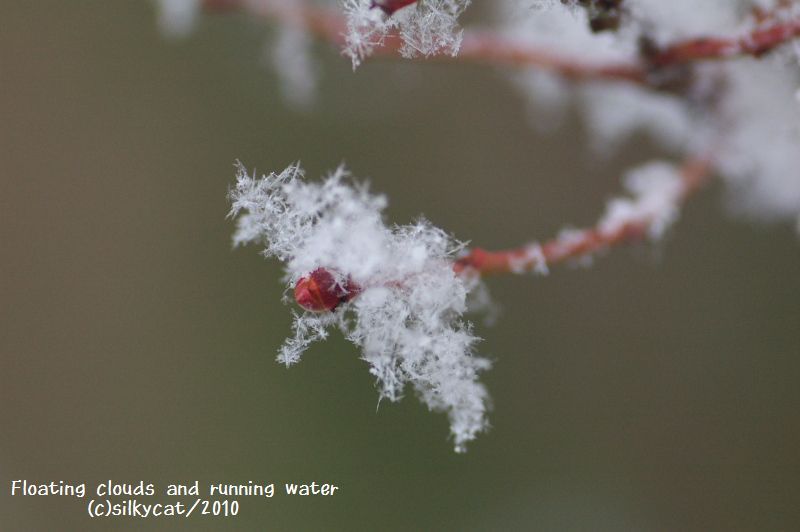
657	390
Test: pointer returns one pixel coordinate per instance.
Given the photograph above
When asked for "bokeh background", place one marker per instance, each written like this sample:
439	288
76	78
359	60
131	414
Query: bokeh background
657	390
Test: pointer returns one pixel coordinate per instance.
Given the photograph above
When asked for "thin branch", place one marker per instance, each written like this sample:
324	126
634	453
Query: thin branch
489	49
758	42
580	243
486	48
318	292
482	48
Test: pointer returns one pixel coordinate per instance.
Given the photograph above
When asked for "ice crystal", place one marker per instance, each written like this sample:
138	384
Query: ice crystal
408	317
655	190
427	27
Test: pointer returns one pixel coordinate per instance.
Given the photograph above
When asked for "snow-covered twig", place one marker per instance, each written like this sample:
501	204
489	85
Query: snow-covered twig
759	41
408	317
399	293
493	49
658	190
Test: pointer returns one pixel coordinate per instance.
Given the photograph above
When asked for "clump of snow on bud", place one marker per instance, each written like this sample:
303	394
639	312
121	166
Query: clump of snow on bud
177	18
426	27
655	190
408	316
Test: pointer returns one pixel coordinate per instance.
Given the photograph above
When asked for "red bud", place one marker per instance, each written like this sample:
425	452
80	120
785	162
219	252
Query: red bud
319	292
390	6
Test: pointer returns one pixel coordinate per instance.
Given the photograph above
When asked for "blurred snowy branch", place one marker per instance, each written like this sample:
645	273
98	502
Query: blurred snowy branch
715	83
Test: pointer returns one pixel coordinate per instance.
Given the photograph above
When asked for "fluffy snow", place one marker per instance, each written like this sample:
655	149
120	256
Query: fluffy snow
746	107
408	318
426	28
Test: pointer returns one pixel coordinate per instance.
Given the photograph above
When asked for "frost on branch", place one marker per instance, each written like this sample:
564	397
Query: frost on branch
407	319
655	190
425	27
744	109
760	156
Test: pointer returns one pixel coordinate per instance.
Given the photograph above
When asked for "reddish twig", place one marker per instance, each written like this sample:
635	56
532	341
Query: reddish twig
756	43
476	47
579	243
489	49
319	291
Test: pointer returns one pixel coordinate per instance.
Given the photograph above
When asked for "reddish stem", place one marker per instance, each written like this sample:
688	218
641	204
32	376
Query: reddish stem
486	48
318	292
756	43
490	49
581	243
390	6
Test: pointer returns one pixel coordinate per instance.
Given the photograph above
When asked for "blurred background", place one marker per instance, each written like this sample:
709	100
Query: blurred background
657	390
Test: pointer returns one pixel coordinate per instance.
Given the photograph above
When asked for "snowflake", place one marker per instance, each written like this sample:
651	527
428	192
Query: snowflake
407	318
